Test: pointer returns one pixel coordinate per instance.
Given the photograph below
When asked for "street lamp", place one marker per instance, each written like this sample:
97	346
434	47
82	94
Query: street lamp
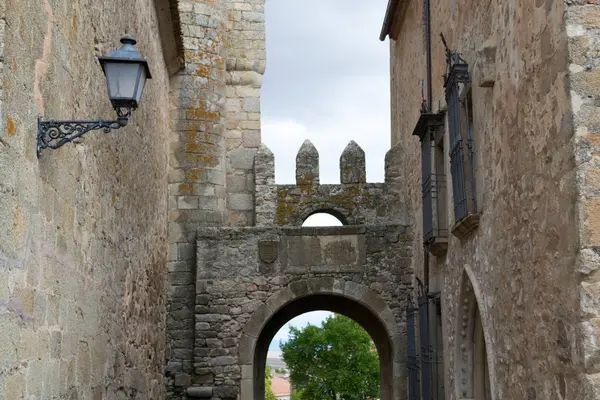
126	73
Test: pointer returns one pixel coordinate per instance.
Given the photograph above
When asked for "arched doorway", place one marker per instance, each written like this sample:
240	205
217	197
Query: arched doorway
472	353
365	307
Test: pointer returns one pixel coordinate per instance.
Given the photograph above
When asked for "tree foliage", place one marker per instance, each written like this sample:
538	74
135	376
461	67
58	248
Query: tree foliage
269	395
336	361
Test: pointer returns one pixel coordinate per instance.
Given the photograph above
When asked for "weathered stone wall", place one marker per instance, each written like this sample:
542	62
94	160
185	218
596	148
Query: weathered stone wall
246	63
521	258
245	276
234	280
196	168
582	21
217	132
82	229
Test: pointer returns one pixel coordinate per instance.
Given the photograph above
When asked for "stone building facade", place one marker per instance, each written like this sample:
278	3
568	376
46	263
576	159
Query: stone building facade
83	229
158	261
496	131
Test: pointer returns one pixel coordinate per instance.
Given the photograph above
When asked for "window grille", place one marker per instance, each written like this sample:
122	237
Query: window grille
426	348
413	360
460	126
425	368
428	189
433	178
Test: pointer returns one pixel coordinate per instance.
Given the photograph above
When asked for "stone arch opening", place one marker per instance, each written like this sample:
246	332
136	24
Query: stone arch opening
327	217
333	303
472	350
367	309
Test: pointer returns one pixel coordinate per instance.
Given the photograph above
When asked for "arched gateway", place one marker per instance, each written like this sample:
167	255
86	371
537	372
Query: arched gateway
353	300
251	280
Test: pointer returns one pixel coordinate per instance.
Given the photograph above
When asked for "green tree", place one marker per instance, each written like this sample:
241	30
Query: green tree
336	361
269	395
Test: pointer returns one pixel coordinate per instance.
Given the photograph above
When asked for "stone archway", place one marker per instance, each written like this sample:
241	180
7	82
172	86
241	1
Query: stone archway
348	298
474	355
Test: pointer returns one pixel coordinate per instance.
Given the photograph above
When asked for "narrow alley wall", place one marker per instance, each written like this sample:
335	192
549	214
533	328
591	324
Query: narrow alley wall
83	229
521	258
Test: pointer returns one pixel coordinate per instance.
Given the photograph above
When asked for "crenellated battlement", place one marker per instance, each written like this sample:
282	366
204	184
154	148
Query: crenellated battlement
353	201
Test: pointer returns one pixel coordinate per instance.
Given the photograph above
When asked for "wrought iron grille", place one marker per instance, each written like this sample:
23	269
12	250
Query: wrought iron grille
457	75
413	359
425	345
426	129
437	354
428	189
425	369
439	186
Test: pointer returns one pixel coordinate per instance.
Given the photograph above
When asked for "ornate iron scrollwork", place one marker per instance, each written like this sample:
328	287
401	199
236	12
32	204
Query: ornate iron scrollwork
54	134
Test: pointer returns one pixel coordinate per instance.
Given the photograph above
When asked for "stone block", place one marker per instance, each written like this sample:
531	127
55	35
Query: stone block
223	360
242	158
251	139
241	202
196	392
303	251
226	391
187	202
182	379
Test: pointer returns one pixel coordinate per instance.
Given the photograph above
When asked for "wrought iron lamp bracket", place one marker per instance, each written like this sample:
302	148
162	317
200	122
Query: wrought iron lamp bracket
54	134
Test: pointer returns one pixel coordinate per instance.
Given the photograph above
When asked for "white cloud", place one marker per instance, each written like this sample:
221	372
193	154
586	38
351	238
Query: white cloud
327	80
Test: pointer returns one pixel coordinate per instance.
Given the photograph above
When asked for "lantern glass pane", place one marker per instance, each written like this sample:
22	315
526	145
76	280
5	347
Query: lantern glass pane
121	79
140	85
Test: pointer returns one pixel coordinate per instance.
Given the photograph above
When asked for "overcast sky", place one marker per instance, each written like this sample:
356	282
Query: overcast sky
327	80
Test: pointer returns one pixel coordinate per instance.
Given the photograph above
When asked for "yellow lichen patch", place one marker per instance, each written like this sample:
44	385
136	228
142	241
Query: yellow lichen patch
203	115
185	188
203	159
10	127
202	70
194	174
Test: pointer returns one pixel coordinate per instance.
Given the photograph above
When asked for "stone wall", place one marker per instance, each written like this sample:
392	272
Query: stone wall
521	258
217	132
240	271
250	280
82	229
246	63
582	21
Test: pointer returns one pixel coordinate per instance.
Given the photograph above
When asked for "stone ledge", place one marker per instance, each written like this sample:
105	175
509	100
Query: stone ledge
463	228
438	246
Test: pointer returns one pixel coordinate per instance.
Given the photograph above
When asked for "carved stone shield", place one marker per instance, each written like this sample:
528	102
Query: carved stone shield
268	250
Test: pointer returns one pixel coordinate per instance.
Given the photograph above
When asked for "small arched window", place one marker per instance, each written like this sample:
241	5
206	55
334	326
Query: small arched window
323	219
